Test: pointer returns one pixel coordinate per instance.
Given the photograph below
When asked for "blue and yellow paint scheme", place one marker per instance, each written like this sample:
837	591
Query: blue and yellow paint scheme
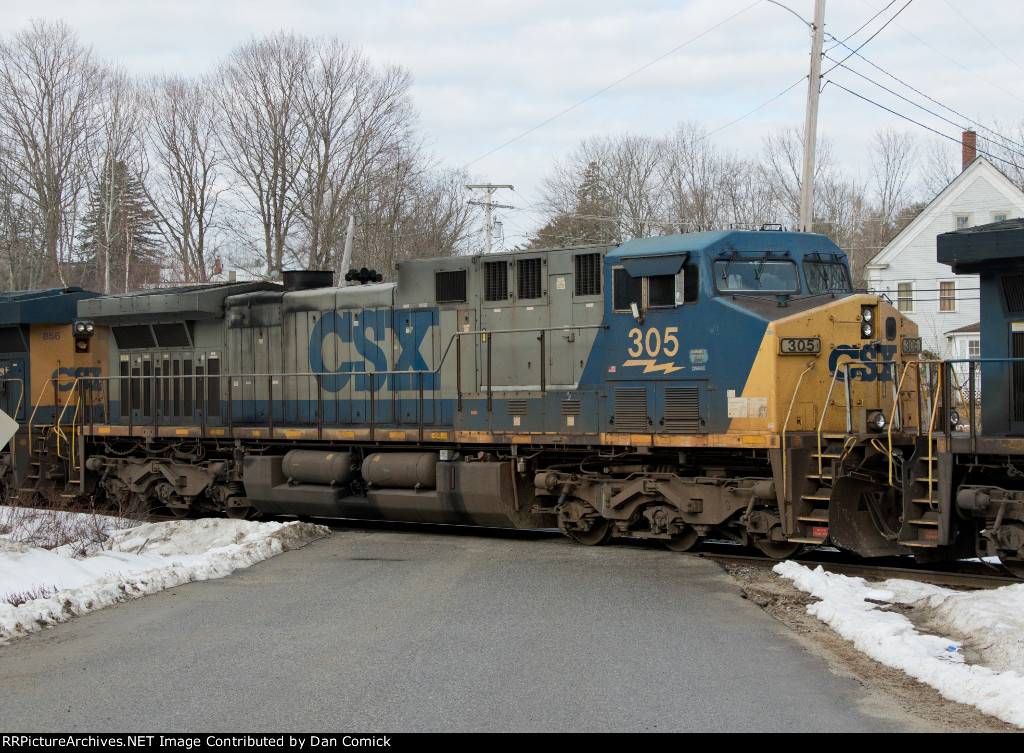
665	387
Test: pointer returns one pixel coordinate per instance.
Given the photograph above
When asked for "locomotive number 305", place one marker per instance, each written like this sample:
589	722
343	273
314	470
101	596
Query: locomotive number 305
654	343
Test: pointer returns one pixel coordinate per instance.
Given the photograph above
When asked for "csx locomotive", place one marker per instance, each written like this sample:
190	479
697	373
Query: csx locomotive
728	384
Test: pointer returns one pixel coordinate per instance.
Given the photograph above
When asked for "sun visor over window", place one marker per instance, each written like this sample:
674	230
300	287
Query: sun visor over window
649	266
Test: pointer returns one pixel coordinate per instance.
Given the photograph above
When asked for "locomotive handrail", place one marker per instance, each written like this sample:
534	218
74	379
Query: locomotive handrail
785	425
21	393
38	404
151	407
895	406
845	366
74	393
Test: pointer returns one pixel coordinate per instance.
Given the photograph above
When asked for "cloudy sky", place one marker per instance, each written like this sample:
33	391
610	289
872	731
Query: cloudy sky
505	89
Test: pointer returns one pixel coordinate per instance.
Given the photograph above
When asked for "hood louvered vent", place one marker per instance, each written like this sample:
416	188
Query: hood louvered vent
631	409
682	410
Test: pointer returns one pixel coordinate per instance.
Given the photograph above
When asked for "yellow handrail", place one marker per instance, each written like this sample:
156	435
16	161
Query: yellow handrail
895	406
785	425
74	424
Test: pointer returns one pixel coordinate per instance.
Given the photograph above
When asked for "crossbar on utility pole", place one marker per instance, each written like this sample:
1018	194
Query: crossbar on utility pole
487	204
811	122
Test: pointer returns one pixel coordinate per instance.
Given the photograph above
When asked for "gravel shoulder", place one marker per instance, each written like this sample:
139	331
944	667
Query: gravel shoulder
786	603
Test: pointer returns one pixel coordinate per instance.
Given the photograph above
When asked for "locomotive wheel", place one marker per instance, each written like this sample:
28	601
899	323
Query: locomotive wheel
777	550
241	512
685	542
581	523
600	533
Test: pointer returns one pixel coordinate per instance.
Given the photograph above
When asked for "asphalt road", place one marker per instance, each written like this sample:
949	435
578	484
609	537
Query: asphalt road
388	631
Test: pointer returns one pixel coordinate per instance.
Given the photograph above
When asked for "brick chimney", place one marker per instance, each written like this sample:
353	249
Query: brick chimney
970	142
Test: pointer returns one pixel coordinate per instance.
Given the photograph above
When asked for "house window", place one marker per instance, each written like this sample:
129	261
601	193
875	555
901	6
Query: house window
905	296
974	348
962	221
999	216
947	295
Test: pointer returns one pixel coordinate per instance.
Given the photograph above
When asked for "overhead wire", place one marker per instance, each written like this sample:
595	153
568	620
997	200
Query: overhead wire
872	36
921	125
926	96
613	84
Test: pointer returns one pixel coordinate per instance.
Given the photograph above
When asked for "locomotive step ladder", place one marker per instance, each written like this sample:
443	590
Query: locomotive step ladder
921	511
814	522
46	470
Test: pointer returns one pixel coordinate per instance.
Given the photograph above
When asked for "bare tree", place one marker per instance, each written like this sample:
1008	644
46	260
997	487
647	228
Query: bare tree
263	134
410	211
187	185
49	91
941	163
707	188
118	148
356	121
608	189
892	155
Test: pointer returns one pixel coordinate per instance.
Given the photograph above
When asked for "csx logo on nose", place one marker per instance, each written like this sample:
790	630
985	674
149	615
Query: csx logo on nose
876	356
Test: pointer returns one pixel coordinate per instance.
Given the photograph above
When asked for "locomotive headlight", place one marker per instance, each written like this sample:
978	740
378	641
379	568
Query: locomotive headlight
83	331
876	420
83	328
954	418
867	322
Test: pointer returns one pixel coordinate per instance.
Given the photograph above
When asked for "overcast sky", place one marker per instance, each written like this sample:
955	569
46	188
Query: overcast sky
487	73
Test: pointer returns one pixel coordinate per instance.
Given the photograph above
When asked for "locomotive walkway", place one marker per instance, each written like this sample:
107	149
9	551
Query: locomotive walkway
392	631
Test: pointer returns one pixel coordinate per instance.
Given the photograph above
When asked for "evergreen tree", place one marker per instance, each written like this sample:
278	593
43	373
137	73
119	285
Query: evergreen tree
119	249
592	218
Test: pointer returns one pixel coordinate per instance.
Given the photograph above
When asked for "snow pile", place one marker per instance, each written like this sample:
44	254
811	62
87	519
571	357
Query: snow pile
73	579
972	652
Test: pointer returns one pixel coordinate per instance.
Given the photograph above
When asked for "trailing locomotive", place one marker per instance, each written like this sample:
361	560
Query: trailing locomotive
45	354
725	384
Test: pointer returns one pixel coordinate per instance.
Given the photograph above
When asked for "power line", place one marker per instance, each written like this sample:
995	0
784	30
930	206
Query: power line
929	98
922	107
959	64
870	38
613	84
850	36
922	125
993	44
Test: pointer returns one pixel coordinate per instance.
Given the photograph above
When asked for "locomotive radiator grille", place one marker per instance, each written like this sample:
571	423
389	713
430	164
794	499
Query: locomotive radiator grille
682	410
571	408
631	409
518	407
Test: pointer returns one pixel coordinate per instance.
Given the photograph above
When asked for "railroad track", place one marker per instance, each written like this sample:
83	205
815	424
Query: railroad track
961	574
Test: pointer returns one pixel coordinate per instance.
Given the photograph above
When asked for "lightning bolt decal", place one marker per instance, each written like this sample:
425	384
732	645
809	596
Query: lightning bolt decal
651	366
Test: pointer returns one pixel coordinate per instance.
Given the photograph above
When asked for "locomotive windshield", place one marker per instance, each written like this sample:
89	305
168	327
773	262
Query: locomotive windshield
827	275
756	276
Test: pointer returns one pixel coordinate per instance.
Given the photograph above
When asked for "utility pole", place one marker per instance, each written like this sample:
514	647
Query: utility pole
811	123
487	204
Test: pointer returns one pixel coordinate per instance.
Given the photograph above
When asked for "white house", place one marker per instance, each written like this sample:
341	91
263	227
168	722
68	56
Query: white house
944	305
